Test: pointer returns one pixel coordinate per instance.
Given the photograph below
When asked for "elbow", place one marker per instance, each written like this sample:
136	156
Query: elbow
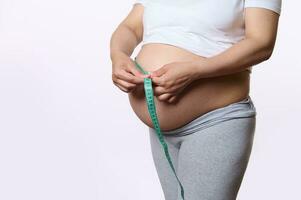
268	48
267	53
264	48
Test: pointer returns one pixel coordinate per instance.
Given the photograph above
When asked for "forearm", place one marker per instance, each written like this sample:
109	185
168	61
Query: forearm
237	58
123	40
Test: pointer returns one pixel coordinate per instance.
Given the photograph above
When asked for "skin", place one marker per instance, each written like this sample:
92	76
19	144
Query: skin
184	82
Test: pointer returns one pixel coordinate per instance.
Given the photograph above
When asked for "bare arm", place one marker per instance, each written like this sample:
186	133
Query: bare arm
124	39
261	30
128	34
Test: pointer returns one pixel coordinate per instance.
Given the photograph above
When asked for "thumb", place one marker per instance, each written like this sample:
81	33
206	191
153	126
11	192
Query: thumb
136	72
159	72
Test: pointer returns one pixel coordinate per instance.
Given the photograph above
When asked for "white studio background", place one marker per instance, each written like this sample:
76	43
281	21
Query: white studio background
66	132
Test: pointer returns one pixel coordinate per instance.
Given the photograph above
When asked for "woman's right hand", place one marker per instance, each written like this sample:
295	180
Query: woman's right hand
125	75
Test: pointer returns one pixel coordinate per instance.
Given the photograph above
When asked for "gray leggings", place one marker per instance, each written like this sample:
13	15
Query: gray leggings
210	153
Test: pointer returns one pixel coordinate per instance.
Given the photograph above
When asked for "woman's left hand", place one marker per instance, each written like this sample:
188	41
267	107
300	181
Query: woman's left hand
171	79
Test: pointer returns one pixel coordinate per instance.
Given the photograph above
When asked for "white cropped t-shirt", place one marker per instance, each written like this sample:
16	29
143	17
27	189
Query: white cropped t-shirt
203	27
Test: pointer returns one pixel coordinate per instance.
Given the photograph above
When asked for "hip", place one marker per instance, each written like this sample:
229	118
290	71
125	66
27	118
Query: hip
237	110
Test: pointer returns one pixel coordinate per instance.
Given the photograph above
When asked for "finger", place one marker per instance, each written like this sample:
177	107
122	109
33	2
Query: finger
125	89
164	97
158	80
137	72
172	99
125	84
128	77
121	88
158	90
159	72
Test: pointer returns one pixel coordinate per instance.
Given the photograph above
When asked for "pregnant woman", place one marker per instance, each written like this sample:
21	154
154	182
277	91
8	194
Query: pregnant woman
199	55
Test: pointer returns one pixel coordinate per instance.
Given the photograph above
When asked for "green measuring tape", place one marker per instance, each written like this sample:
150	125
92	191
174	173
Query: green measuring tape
148	89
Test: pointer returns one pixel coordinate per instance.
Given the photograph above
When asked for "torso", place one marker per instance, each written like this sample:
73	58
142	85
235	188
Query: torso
198	98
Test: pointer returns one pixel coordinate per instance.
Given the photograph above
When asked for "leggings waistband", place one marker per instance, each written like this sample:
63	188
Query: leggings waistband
241	109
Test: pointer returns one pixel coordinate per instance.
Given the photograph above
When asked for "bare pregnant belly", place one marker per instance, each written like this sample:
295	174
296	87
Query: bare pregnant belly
198	98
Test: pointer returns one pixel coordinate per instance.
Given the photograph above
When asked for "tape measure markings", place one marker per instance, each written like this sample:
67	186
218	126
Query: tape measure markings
148	89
